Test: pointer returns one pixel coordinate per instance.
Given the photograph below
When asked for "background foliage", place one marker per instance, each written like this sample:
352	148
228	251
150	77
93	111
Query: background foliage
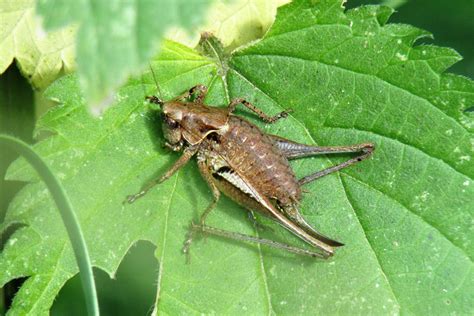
406	250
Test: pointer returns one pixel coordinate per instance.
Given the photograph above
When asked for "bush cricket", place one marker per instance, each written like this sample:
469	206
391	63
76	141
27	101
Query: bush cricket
252	168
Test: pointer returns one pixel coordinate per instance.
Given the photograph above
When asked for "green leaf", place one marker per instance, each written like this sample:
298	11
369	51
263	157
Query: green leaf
116	38
40	56
405	215
452	23
240	22
67	213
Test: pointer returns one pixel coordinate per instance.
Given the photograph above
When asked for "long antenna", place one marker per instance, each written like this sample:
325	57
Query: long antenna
156	81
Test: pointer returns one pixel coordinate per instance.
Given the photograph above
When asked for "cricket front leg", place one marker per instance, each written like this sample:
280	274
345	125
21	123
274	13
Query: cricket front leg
187	154
269	119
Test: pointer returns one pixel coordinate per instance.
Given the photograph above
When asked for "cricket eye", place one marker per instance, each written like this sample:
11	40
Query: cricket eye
170	122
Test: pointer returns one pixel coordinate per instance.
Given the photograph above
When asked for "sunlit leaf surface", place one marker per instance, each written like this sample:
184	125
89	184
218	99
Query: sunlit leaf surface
405	215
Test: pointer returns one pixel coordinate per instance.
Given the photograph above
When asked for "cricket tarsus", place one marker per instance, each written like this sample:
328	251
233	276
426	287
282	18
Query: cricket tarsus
187	243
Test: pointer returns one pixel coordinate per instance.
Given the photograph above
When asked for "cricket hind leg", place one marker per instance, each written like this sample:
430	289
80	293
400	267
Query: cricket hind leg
203	228
269	119
365	149
257	240
292	150
295	215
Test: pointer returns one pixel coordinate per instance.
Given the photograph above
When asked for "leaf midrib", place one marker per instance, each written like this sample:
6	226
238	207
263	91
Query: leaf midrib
163	244
384	274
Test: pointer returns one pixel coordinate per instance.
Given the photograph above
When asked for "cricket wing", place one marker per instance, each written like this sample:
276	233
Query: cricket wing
230	176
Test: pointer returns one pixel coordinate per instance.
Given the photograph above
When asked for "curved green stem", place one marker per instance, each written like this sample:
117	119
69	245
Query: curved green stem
68	216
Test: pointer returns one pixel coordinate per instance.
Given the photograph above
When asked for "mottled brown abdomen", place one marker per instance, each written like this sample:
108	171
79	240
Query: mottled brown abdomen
255	156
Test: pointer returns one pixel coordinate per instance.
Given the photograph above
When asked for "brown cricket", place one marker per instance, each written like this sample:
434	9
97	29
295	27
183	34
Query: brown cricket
235	157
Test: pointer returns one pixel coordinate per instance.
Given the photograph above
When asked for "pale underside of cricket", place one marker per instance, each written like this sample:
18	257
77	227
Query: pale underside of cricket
236	158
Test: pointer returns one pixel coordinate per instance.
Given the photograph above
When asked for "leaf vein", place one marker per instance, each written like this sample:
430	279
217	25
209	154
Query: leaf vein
405	144
411	211
363	74
162	255
368	241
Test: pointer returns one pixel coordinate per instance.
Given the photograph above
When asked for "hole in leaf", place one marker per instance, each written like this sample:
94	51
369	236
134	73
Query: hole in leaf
469	109
132	292
8	232
10	289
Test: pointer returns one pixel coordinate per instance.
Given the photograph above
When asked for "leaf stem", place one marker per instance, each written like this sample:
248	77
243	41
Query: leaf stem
68	216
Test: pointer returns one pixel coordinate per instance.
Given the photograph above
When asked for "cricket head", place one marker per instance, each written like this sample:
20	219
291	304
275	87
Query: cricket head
189	122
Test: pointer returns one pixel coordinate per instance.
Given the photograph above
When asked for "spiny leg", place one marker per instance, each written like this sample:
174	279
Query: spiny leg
292	150
187	154
365	149
257	240
202	92
207	175
269	119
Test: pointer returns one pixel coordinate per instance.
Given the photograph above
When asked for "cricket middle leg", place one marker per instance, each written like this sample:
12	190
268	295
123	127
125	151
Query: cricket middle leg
269	119
202	92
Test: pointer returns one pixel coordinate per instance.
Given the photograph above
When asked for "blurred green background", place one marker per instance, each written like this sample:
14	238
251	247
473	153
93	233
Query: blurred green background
131	292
